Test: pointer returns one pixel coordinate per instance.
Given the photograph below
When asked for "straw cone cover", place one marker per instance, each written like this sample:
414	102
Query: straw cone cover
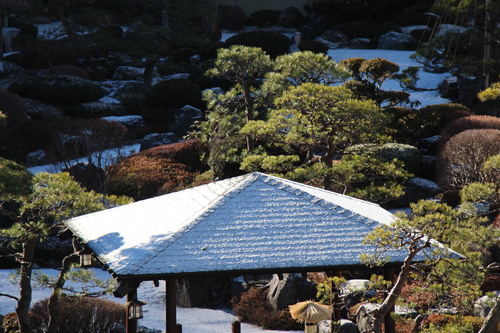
310	312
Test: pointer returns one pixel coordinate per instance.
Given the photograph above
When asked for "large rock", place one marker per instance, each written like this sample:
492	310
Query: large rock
128	73
364	317
157	139
58	89
104	107
8	68
483	306
185	117
346	326
289	289
334	39
396	41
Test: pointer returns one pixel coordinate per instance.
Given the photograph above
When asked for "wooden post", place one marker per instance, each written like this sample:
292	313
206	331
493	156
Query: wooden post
390	324
236	327
130	324
179	328
171	306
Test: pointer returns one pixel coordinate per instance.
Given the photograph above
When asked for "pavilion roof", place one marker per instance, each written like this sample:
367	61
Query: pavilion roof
254	222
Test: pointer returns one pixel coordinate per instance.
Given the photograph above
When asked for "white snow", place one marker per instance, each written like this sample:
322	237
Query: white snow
106	158
402	58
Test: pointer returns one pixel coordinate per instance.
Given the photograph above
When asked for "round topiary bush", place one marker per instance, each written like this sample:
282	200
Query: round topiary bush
273	43
263	18
410	125
82	314
462	158
174	93
156	171
58	89
313	46
231	17
409	155
471	122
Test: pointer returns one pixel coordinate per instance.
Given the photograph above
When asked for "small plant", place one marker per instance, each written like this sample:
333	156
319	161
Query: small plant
251	306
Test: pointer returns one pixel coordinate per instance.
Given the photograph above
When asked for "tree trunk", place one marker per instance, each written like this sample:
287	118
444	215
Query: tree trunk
491	323
24	303
328	160
209	22
391	299
54	297
249	114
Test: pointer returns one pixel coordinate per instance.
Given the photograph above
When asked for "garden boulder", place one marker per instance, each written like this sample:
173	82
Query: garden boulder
58	89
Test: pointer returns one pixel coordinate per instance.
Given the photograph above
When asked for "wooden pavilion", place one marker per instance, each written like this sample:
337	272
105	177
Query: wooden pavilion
249	224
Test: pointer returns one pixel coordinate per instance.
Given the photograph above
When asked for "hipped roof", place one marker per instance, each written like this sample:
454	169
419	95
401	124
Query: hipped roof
254	222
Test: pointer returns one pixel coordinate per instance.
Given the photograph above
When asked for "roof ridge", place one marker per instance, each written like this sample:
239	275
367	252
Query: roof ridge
245	181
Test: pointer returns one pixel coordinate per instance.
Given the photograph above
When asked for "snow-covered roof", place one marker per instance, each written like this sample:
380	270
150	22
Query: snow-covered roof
247	223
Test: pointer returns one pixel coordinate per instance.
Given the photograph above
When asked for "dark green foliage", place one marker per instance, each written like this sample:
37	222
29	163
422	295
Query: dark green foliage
252	307
364	29
231	18
58	89
314	46
224	159
409	155
15	180
174	93
470	122
83	314
490	108
410	125
157	170
273	43
263	18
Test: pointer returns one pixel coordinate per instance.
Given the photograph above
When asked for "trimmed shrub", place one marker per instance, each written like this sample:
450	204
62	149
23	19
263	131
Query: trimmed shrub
410	125
11	325
231	18
83	314
490	108
273	43
463	156
69	70
364	29
252	307
409	155
156	171
313	46
174	93
471	122
58	89
263	18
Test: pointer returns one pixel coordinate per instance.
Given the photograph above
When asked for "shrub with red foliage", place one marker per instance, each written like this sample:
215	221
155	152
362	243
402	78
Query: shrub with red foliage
462	157
10	323
83	314
471	122
252	307
155	171
420	298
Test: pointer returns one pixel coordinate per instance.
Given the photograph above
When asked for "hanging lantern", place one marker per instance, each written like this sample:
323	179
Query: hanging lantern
86	259
135	309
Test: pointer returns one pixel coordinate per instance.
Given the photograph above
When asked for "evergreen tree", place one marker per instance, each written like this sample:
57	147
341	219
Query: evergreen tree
44	201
